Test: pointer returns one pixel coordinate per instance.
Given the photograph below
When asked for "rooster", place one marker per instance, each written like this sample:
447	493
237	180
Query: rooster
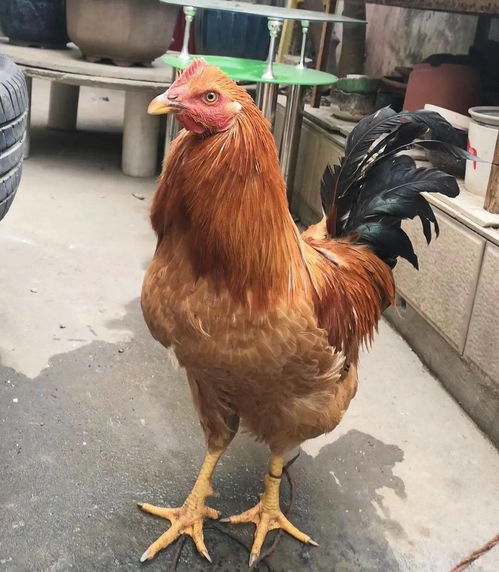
268	322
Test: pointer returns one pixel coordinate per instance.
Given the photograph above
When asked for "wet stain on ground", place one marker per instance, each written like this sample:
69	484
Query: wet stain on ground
108	425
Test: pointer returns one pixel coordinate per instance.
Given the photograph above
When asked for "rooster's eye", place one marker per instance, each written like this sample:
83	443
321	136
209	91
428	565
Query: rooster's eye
210	97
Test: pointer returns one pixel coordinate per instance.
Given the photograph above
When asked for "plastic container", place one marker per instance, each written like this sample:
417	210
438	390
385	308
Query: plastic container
220	33
40	23
482	139
444	161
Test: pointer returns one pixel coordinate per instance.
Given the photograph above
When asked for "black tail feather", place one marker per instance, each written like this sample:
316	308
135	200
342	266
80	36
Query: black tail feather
374	188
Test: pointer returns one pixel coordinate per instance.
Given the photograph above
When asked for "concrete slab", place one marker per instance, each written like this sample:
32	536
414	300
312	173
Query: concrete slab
68	62
94	417
59	257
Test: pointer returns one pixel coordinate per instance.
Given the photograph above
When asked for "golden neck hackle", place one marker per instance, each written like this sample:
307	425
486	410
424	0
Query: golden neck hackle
225	194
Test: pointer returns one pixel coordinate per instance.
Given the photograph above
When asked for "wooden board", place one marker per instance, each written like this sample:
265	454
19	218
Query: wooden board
323	52
459	6
492	196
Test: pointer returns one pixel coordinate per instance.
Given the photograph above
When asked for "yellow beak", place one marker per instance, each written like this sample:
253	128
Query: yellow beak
160	105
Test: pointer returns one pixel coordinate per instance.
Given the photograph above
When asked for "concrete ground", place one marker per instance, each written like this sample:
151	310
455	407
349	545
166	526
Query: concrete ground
94	417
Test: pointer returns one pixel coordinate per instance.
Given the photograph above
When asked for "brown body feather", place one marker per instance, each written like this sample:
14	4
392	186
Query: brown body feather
267	323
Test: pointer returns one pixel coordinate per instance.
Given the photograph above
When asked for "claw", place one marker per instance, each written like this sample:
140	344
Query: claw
207	556
312	542
140	504
146	556
252	559
225	519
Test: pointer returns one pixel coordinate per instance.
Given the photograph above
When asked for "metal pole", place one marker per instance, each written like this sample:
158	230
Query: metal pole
189	13
274	29
293	115
266	100
290	140
172	125
304	31
172	130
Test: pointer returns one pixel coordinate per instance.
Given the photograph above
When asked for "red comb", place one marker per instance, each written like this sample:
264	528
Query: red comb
195	68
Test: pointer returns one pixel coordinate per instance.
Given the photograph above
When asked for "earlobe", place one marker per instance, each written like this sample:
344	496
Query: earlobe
235	106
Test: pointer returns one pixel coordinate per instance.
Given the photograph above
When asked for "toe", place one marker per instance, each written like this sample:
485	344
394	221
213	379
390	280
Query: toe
168	513
162	542
251	515
212	513
198	537
260	534
293	531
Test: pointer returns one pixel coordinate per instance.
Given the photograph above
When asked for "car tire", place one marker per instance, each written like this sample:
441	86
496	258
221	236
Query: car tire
13	131
13	91
11	156
13	121
8	187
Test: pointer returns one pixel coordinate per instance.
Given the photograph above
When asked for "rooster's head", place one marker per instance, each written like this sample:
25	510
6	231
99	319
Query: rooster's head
203	98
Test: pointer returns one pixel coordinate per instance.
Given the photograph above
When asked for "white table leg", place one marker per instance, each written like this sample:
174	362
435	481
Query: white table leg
140	136
29	83
63	109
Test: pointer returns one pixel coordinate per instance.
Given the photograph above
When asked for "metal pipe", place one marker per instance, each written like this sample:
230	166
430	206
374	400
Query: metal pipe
274	29
304	31
266	100
189	13
173	128
291	135
172	125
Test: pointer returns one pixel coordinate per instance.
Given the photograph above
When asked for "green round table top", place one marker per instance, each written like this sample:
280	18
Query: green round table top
241	69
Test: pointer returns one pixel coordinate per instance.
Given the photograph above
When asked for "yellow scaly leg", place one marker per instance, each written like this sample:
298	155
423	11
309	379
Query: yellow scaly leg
188	519
267	514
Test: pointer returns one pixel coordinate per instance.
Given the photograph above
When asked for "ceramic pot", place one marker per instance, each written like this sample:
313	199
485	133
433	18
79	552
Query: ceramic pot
455	87
40	23
126	32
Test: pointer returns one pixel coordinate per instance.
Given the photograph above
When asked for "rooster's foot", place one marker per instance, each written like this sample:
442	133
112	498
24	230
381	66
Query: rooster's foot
267	519
187	519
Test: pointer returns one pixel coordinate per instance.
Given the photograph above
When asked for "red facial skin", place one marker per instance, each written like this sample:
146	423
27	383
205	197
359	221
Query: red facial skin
196	112
201	116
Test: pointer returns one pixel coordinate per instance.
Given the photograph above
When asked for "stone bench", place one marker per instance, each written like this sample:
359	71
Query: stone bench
68	71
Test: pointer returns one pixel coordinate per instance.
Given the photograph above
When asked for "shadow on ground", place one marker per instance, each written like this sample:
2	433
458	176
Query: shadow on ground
108	425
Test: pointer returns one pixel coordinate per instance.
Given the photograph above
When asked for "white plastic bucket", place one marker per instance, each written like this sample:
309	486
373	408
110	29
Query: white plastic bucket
482	139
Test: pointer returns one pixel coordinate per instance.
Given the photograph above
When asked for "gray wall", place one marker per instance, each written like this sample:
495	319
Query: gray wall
404	37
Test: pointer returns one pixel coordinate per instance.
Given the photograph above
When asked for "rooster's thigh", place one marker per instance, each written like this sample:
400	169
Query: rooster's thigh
289	421
218	419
